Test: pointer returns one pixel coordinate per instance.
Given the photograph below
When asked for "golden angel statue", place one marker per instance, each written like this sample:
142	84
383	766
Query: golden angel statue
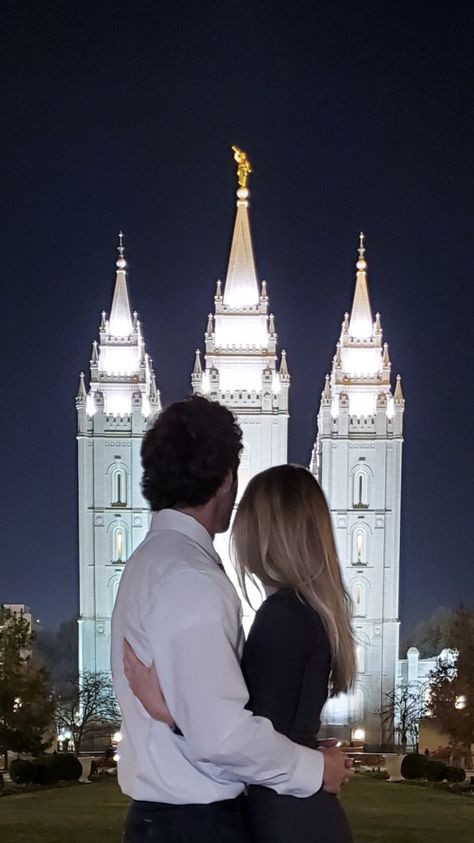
244	167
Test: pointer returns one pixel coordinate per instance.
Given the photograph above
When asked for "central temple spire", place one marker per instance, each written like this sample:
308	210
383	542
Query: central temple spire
241	288
120	323
361	326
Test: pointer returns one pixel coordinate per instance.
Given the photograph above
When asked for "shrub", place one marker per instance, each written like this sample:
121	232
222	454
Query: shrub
45	771
414	766
22	772
455	774
69	767
436	771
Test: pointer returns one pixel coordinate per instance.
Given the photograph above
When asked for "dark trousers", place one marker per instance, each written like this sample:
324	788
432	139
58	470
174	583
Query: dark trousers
157	822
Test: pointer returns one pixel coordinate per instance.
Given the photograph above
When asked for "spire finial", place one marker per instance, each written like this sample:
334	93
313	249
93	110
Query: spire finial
361	263
121	262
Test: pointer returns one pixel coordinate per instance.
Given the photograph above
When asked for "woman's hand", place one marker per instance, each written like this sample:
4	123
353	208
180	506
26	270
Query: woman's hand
144	683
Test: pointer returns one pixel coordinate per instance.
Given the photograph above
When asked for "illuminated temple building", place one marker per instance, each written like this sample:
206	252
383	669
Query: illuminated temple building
356	457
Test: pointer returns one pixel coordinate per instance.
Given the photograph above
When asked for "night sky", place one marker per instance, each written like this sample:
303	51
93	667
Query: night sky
355	115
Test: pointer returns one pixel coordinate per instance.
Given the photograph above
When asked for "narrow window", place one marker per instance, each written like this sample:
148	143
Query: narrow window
119	488
359	599
360	491
119	547
359	547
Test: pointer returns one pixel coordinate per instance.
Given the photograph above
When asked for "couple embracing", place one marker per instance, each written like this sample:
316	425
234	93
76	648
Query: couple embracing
219	735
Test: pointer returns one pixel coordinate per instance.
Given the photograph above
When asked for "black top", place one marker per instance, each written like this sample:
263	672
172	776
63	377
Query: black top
286	664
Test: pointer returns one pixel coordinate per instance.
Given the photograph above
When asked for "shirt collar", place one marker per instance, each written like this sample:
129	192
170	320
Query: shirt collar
172	519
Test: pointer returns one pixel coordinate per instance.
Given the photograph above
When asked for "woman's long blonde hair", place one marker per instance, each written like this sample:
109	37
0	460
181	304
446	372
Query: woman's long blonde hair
283	535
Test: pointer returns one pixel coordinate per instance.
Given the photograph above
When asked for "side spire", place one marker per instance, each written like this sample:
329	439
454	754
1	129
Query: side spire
120	322
81	392
197	370
398	395
241	288
361	325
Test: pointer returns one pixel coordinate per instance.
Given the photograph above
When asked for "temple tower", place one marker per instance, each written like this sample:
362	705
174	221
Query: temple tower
112	416
241	367
357	459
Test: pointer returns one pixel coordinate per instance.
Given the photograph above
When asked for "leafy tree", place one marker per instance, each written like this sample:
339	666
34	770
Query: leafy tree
57	651
431	635
26	704
401	714
85	702
452	684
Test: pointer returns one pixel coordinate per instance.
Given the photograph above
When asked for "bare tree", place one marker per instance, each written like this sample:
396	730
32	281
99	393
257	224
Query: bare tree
403	709
83	702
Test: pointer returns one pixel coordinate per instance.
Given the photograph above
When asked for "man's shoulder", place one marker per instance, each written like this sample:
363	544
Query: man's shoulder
175	565
171	552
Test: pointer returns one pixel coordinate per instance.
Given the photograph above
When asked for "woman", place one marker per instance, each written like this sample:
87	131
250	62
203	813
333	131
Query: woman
300	647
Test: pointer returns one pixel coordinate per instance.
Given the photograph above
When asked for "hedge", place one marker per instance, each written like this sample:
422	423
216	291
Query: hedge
46	770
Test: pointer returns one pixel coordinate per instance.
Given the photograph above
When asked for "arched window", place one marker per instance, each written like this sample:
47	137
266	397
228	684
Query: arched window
359	547
358	597
113	586
119	544
119	487
337	710
360	658
360	489
357	704
244	470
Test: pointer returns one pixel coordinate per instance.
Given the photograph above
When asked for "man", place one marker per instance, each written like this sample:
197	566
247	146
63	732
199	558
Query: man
178	610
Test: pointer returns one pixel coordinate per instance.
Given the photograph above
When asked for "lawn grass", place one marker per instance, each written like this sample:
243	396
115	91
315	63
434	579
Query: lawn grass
378	810
83	814
400	813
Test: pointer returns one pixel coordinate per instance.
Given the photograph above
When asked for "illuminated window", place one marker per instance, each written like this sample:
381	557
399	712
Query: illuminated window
357	704
360	658
119	550
244	470
359	547
358	596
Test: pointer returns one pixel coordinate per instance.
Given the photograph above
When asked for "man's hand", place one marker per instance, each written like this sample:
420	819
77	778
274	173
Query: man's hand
144	683
337	769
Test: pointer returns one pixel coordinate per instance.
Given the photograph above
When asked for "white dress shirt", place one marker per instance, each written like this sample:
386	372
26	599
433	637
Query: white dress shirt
178	609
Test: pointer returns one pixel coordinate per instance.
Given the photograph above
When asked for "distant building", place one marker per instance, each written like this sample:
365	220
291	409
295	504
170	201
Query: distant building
20	609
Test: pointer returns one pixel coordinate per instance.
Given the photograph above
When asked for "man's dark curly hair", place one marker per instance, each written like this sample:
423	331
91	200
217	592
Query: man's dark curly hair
187	453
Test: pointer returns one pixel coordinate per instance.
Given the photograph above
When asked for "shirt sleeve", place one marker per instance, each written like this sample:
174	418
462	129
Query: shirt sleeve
193	627
275	659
